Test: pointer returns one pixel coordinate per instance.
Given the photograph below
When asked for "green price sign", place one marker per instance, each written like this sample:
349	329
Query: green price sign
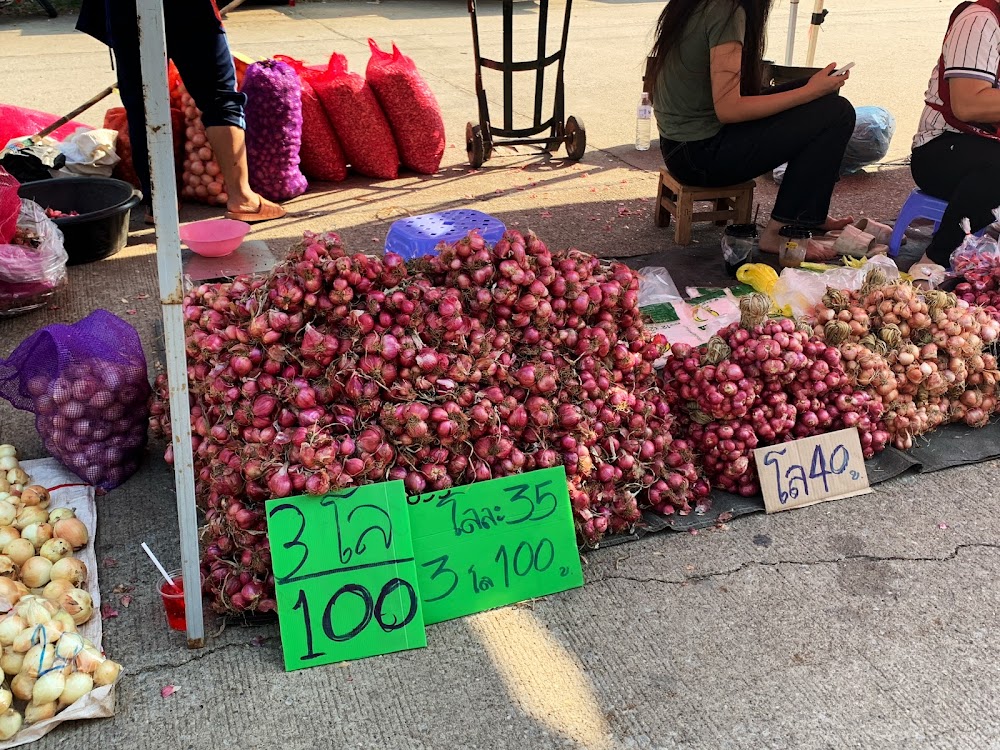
345	575
493	543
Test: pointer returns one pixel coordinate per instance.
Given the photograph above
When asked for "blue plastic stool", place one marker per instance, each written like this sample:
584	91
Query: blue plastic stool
918	206
420	235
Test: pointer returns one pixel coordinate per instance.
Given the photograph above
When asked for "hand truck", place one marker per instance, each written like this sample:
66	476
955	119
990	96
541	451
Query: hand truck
481	139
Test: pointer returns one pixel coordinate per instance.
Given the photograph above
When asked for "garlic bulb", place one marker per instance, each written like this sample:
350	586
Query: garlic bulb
36	712
10	627
11	662
22	685
10	724
78	685
107	673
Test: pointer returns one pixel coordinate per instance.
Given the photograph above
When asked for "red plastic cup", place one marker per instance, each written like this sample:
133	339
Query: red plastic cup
173	601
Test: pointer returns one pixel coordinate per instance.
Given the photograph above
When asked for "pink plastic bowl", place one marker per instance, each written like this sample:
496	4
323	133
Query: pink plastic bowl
214	238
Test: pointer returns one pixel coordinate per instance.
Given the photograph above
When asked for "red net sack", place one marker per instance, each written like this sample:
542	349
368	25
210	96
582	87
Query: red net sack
321	153
410	106
201	178
115	119
19	121
86	384
10	206
358	120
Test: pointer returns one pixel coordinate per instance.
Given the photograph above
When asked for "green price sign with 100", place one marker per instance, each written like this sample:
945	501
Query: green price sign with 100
345	575
494	543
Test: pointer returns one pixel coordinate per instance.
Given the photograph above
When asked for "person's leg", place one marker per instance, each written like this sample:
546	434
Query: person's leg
811	139
961	169
199	48
127	66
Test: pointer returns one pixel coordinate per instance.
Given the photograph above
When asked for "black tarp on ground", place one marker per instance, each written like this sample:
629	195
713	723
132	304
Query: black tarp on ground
945	448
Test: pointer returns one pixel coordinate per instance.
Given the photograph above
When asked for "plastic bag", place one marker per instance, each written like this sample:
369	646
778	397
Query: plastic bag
33	266
358	120
86	384
656	286
873	131
410	106
322	155
90	152
10	205
978	252
29	162
800	291
274	130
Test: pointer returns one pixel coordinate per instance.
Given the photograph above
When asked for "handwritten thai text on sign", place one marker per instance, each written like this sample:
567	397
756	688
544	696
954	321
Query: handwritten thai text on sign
812	470
494	543
345	575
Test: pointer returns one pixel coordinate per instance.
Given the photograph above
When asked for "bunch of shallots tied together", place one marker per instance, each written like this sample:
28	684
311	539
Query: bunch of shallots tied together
480	362
762	382
922	353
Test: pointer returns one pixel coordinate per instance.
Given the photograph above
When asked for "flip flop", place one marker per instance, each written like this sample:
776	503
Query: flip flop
881	232
267	211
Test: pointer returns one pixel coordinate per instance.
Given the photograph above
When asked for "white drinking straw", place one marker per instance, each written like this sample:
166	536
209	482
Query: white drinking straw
163	571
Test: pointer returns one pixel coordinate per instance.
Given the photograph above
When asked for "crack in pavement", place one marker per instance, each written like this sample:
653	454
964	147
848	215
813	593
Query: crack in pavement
196	655
758	563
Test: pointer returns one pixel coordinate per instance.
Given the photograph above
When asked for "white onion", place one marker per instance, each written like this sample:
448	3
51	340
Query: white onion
7	450
7	512
18	551
69	646
71	569
58	514
36	572
6	698
73	530
89	659
48	687
7	463
35	494
39	659
38	534
24	640
7	535
55	550
30	514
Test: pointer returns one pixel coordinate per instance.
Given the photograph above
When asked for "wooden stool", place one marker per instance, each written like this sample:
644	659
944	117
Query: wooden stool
732	204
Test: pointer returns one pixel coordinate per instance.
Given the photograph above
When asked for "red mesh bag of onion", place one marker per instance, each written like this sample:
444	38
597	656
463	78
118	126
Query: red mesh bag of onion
86	384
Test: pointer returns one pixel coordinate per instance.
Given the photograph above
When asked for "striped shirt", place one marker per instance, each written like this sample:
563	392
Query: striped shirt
971	50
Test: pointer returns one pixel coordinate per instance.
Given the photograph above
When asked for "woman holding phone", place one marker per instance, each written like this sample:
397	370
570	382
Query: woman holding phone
717	127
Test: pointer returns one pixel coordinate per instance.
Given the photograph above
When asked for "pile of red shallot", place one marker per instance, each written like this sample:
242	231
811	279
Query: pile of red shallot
761	382
476	363
922	354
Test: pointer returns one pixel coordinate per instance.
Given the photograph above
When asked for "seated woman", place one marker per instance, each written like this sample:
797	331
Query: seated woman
717	128
956	152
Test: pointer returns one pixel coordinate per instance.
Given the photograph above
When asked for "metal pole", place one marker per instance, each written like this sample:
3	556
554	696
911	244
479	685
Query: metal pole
814	32
153	57
793	13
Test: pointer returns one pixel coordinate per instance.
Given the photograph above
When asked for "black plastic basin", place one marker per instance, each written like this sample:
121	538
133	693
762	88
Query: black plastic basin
103	205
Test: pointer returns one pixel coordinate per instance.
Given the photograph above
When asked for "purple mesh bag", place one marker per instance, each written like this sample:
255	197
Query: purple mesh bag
86	384
274	129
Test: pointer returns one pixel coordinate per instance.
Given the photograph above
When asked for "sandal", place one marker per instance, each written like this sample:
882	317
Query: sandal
266	211
881	232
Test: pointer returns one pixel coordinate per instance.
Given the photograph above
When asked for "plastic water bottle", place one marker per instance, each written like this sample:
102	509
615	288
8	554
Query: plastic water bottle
643	118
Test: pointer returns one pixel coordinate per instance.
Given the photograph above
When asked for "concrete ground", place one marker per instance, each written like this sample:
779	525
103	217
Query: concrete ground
865	623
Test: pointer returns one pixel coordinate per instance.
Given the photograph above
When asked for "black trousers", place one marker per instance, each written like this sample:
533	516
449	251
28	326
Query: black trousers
198	47
811	138
964	170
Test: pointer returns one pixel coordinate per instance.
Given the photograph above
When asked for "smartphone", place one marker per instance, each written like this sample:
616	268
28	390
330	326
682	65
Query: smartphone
841	71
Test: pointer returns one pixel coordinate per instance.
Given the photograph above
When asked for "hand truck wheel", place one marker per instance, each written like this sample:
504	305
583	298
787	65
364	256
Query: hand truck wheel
575	138
475	145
